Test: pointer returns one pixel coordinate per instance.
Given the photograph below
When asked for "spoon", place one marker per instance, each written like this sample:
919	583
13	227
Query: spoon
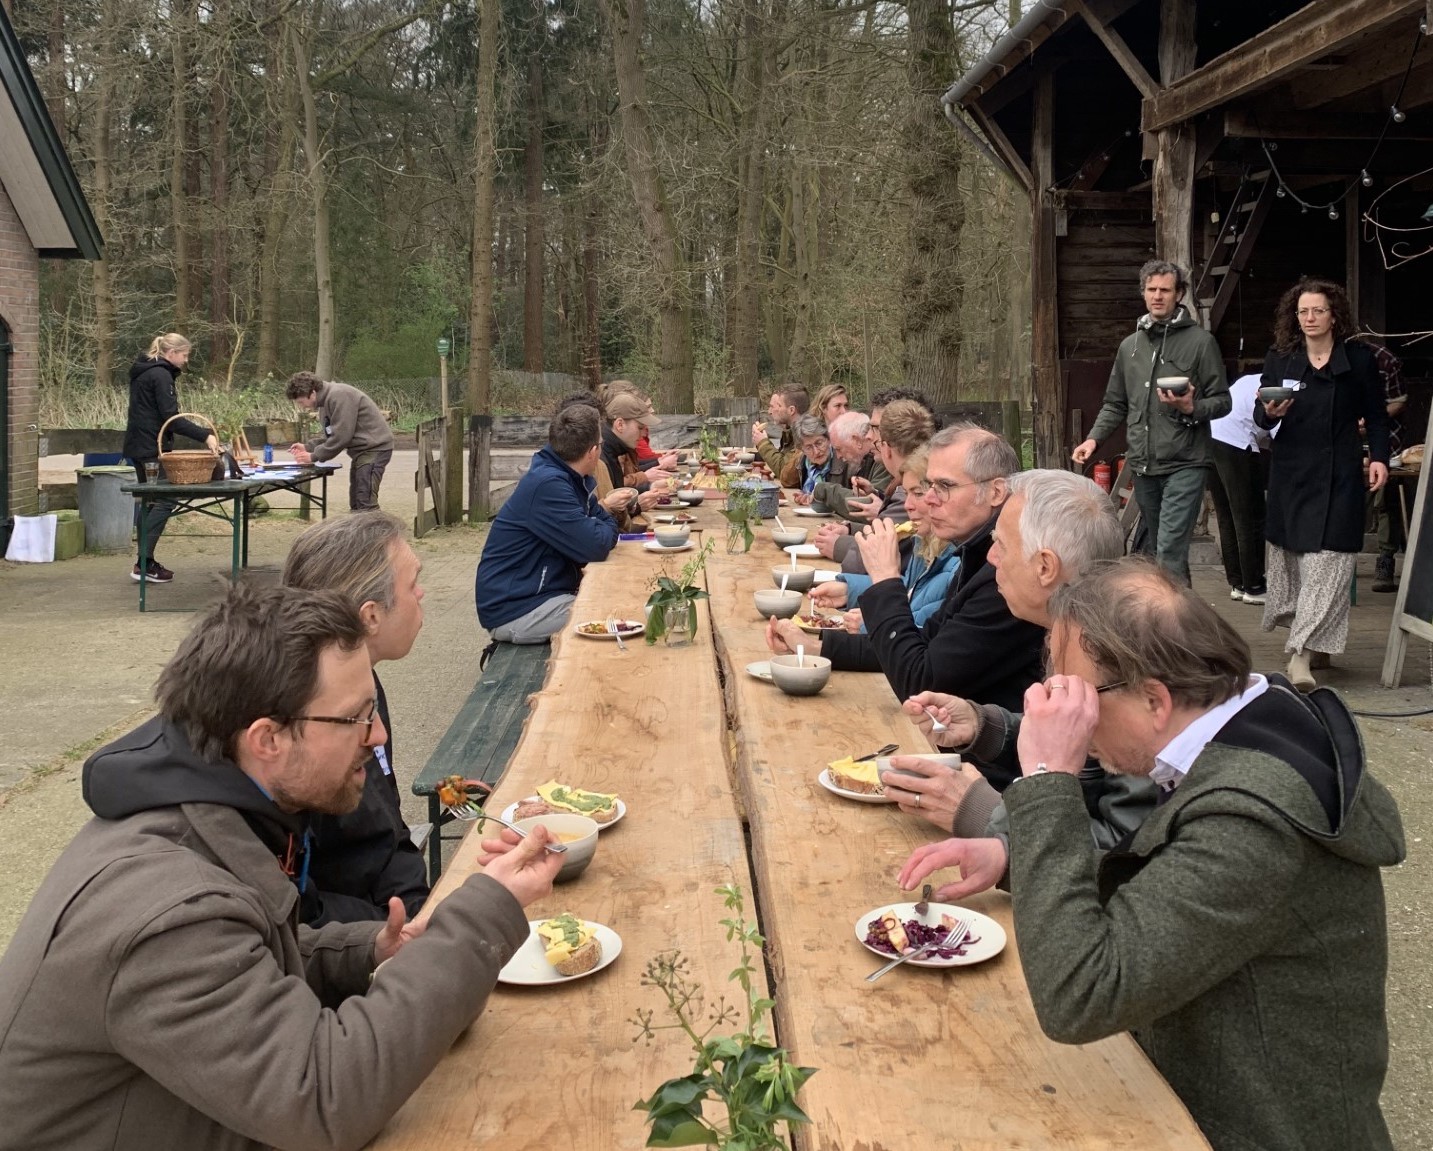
781	527
800	655
924	905
783	581
935	724
793	561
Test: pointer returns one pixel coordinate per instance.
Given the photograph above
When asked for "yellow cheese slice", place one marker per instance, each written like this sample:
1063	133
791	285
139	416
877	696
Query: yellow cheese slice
865	770
562	935
575	799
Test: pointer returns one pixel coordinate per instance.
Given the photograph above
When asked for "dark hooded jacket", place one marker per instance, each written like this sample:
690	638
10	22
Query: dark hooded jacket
153	399
361	860
1239	933
160	992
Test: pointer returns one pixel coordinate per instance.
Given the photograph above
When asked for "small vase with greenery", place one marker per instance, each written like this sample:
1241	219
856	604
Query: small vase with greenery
741	517
710	444
677	595
754	1080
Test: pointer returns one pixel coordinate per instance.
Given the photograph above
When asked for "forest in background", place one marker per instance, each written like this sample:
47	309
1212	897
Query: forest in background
706	196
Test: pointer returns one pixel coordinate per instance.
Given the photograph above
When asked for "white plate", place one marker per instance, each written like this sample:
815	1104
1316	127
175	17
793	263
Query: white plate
626	628
510	813
654	546
824	576
671	518
801	550
989	936
331	465
807	511
761	669
529	966
825	780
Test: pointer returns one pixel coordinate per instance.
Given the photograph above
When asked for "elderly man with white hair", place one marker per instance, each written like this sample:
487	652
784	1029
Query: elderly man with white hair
1054	526
858	470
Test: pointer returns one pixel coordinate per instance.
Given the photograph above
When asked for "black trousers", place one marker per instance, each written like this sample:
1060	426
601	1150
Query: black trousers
1237	484
156	513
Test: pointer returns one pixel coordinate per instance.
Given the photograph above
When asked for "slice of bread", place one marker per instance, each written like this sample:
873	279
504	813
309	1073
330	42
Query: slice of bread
570	944
851	775
527	808
595	805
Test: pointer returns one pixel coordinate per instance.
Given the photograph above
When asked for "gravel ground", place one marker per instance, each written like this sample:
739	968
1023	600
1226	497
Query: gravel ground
80	661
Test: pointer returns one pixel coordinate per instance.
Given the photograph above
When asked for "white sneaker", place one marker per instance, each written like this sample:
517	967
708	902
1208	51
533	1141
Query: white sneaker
1236	593
1253	597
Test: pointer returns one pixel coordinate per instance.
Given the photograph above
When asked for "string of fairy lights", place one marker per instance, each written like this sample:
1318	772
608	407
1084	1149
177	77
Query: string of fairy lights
1396	115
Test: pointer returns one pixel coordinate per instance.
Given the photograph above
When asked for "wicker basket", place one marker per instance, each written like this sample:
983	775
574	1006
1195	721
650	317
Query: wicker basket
189	466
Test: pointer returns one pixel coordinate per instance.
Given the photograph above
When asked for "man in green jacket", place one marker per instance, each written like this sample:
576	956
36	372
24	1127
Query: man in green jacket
1167	426
782	456
1240	932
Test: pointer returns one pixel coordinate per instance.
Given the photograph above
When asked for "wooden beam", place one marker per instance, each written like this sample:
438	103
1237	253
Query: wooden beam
1381	56
1105	201
1251	123
1175	146
1114	42
1048	399
1012	168
1310	33
1096	164
1002	145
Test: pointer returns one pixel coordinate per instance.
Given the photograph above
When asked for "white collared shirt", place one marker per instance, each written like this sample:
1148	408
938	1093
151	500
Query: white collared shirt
1172	764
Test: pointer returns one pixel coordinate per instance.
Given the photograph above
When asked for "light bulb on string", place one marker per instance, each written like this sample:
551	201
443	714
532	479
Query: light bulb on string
1333	212
1366	180
1279	191
1397	114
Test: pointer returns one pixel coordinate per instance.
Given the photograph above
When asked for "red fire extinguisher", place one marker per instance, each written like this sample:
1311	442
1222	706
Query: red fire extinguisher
1102	476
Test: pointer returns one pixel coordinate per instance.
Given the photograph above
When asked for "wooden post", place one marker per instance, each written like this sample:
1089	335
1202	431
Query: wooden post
452	511
480	468
1047	399
1175	146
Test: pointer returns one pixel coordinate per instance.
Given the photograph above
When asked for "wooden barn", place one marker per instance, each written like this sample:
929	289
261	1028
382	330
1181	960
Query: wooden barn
1249	142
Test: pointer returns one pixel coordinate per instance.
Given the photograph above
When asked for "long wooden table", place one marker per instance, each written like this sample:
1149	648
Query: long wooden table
705	755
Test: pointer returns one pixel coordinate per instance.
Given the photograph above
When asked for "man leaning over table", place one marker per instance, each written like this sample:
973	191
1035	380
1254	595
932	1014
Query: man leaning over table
550	527
1239	934
972	646
160	993
1054	526
351	423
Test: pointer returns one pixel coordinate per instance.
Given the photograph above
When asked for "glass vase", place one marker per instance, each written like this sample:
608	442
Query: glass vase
736	541
681	623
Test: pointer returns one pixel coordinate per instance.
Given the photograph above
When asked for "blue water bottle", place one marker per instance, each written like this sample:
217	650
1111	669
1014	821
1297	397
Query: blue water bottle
268	453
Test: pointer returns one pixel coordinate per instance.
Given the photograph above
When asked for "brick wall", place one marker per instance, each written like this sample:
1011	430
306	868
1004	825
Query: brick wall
20	309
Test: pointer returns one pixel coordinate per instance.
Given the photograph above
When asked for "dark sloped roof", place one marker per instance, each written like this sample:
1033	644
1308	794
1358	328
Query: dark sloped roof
40	181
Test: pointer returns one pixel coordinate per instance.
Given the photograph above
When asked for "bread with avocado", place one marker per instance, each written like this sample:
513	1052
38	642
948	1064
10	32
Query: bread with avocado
569	944
596	805
858	775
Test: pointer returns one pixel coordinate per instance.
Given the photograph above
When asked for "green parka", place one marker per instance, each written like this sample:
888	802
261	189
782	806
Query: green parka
1163	439
1238	935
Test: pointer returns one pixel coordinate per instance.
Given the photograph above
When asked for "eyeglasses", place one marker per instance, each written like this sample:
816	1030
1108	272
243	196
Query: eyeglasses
1312	312
367	720
940	490
875	432
1104	687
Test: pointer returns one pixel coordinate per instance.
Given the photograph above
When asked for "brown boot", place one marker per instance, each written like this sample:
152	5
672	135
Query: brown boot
1300	675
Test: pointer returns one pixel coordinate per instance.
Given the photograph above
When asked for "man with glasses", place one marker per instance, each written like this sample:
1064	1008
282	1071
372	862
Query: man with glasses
1167	427
972	646
159	991
858	469
1239	933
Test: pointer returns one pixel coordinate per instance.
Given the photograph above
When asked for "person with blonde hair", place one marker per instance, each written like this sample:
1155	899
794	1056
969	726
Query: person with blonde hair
831	401
154	400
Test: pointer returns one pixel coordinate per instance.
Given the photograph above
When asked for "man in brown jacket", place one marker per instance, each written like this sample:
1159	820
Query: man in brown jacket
160	993
351	422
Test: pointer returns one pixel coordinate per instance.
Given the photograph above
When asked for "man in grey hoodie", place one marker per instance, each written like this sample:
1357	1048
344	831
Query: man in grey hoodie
1167	424
351	422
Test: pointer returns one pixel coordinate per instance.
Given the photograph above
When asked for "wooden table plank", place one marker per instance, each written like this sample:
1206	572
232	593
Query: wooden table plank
557	1066
922	1058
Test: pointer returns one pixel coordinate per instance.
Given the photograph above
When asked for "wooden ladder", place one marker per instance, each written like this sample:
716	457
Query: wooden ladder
1234	245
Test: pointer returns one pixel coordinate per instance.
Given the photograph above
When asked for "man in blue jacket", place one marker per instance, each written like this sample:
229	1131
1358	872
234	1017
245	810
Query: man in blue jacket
549	528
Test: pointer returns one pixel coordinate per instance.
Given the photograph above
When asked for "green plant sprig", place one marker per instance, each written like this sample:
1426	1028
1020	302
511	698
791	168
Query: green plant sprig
670	591
754	1080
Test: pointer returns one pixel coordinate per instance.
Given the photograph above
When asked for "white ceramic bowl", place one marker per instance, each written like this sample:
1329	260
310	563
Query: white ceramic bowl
577	831
788	537
775	602
691	497
800	579
808	679
673	536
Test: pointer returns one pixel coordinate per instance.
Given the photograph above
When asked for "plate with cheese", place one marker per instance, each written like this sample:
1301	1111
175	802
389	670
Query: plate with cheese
561	949
552	796
854	779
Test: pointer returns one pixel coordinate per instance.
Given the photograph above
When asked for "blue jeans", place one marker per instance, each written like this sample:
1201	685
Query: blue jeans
1170	506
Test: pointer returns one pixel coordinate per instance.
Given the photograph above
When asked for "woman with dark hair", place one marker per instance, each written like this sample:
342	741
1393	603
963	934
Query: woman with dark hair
1315	517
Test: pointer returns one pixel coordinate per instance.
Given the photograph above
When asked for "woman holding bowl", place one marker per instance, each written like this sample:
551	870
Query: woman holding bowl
1315	517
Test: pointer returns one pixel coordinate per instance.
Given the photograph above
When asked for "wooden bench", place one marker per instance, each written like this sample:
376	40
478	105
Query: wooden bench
481	739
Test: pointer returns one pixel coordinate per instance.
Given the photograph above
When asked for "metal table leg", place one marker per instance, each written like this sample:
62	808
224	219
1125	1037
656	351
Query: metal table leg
143	566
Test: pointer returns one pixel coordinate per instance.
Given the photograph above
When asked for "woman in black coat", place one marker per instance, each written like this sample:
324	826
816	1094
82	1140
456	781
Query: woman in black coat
1315	517
153	400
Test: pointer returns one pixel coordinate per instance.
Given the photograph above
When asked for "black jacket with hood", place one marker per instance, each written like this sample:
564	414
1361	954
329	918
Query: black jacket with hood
153	399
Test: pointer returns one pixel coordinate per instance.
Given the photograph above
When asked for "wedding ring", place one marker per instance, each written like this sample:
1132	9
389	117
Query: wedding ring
918	799
1057	687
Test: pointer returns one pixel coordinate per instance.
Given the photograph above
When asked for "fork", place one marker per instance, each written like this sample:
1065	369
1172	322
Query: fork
954	938
615	632
469	813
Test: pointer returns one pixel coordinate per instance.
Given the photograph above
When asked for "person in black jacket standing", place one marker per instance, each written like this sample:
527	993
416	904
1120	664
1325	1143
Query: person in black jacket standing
153	399
363	859
1316	511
